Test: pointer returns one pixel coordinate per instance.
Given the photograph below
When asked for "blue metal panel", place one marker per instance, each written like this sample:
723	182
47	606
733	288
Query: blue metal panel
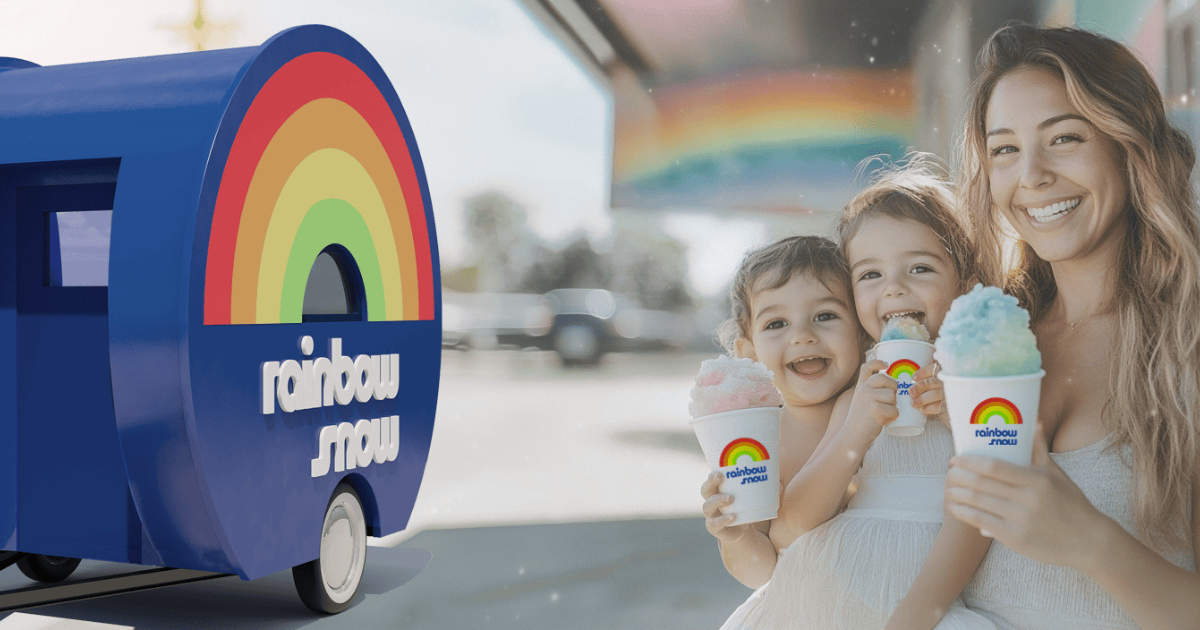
218	485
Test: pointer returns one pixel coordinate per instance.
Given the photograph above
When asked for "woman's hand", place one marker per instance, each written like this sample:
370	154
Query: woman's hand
1035	510
874	404
927	393
715	522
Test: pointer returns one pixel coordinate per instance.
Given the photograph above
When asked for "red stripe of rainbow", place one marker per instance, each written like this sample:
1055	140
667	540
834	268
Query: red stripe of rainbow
743	446
996	407
318	159
902	367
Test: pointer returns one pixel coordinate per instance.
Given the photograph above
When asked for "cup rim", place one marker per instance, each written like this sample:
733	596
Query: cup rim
924	343
991	379
731	412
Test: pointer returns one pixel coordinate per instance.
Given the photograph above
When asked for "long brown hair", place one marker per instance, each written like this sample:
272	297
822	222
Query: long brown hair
1155	380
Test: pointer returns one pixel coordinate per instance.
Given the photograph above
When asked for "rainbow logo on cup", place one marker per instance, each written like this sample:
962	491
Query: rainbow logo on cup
901	368
996	407
743	447
319	159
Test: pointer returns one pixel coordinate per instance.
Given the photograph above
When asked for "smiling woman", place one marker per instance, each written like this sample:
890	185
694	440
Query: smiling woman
1067	140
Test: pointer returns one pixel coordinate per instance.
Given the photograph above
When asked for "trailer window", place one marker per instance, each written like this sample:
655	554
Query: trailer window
333	291
78	248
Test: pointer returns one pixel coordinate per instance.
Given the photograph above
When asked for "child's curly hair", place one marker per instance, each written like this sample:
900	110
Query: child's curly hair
917	190
773	266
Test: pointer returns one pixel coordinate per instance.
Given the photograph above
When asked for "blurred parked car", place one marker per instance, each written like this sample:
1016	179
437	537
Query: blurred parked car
487	320
580	325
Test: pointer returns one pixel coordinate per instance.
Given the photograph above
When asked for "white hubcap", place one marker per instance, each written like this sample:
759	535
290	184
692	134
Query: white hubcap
343	547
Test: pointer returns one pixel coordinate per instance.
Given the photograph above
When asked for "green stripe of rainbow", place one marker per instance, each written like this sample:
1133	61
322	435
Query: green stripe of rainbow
1000	407
902	367
743	446
319	159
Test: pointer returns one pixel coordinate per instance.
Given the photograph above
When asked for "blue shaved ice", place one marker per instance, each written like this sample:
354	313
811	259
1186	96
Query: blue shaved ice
987	334
904	328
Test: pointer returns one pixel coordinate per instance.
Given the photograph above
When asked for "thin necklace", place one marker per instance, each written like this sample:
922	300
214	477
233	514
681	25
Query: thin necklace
1074	324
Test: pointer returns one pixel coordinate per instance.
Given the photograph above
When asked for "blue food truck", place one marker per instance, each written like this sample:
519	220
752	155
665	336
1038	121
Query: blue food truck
220	314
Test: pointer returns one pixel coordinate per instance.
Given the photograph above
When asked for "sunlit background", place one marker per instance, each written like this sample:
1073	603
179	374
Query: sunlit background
597	170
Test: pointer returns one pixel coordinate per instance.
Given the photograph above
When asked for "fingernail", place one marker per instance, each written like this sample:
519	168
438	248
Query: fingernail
985	533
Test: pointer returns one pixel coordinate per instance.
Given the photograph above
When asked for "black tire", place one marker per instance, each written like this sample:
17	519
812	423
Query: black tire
578	344
47	568
328	584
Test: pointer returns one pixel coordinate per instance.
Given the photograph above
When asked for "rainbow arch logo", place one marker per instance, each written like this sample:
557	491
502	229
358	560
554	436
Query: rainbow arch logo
996	407
741	447
318	160
901	368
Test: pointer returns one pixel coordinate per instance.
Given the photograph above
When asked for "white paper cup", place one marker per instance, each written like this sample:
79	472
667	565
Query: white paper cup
905	356
744	445
994	416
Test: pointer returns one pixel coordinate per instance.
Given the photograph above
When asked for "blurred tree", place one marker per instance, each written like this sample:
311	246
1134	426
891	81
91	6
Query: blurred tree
503	245
651	266
637	260
577	265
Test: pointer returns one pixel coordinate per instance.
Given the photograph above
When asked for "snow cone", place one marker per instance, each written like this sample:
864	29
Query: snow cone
991	372
904	345
735	414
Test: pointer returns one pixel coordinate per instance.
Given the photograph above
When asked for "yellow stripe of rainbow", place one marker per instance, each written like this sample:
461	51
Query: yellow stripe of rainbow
996	407
743	446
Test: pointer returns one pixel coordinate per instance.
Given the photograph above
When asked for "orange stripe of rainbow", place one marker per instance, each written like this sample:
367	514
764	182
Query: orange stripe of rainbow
740	447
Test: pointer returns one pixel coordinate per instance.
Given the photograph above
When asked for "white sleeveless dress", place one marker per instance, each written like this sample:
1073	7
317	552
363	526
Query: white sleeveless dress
852	571
1016	592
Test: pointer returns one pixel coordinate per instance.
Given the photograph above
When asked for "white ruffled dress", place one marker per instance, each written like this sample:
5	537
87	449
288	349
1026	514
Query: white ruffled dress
852	571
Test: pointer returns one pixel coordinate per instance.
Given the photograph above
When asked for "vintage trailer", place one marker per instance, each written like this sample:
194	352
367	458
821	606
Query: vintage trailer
220	313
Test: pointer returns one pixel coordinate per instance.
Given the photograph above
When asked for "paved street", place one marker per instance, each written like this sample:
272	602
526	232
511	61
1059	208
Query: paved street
554	499
520	440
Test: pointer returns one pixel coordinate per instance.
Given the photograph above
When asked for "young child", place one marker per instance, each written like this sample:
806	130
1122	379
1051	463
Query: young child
892	553
792	312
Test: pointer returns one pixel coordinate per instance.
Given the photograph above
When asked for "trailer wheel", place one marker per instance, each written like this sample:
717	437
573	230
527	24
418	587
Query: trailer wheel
47	568
327	584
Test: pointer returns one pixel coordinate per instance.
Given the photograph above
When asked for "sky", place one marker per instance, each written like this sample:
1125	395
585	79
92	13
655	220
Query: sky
494	102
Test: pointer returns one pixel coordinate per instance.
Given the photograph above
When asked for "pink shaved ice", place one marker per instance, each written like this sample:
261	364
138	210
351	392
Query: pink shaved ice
728	384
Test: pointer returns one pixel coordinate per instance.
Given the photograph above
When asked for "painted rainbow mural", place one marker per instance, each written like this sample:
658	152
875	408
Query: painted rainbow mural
743	446
1000	407
903	367
319	159
767	139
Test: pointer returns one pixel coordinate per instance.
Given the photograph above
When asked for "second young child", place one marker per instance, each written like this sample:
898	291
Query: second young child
892	557
792	312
